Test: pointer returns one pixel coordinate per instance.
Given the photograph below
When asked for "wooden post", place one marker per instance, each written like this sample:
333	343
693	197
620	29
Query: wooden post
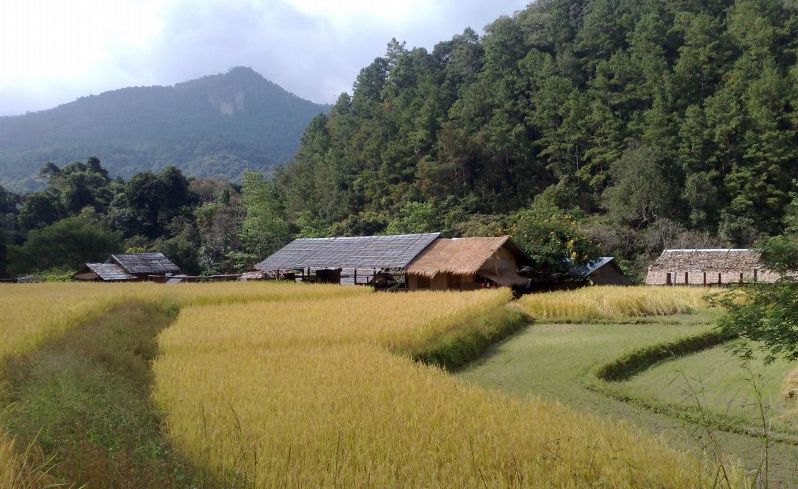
720	278
686	279
705	279
755	275
354	275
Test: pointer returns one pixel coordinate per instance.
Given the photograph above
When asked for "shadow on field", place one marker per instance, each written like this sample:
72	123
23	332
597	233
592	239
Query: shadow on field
84	398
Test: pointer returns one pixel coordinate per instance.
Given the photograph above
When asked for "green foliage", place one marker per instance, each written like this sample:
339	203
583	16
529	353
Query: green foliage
550	236
415	217
264	229
766	314
217	125
68	243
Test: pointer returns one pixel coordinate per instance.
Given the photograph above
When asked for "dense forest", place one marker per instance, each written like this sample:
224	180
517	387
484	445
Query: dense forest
580	127
651	123
218	125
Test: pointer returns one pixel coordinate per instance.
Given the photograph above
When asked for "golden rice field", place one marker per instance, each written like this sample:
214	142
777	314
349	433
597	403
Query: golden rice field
31	313
607	302
286	385
309	394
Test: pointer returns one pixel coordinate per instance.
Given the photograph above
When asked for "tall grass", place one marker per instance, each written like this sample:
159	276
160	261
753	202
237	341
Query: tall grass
607	302
312	393
30	314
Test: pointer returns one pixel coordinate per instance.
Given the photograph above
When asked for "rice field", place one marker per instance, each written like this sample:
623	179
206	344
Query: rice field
287	385
607	302
312	394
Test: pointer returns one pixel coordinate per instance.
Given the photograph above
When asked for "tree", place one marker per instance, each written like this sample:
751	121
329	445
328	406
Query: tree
550	236
415	217
639	193
766	314
67	243
264	229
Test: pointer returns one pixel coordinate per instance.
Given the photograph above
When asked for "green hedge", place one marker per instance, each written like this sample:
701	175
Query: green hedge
469	341
633	363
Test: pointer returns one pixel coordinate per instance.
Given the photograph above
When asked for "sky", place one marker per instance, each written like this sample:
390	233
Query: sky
54	51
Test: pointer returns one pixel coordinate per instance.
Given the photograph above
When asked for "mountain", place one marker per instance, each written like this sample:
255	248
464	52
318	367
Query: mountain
217	125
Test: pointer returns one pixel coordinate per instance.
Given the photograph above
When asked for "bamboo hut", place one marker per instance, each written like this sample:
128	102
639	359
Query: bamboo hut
104	272
708	267
599	271
468	263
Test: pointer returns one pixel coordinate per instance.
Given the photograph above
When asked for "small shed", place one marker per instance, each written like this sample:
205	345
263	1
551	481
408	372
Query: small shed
145	265
708	267
468	263
103	272
600	271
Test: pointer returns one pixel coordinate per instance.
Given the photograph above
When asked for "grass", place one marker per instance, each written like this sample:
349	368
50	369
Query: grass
55	387
722	384
562	362
590	304
324	393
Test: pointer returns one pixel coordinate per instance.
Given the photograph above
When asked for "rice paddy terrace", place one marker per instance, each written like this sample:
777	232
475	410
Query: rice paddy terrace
704	401
289	385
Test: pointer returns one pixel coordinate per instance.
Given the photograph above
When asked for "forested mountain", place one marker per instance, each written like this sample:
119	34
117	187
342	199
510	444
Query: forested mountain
649	122
214	126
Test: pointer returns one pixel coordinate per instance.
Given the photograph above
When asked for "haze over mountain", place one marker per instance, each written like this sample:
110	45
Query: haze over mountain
217	125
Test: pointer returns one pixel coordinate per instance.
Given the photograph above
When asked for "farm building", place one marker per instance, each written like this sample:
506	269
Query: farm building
708	267
357	260
599	271
134	266
468	263
104	272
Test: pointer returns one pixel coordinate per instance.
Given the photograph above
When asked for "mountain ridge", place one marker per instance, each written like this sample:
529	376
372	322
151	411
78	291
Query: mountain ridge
216	125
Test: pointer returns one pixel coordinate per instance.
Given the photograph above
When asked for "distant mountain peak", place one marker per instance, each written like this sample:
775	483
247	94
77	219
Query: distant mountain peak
217	125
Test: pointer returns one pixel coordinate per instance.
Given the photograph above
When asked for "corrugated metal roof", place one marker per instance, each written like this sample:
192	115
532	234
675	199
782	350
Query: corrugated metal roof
146	263
109	271
393	251
589	267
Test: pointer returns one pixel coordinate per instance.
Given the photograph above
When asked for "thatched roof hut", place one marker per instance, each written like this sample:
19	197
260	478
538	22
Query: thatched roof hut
708	267
468	263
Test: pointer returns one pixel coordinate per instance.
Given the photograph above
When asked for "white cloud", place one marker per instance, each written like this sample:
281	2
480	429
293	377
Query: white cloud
52	51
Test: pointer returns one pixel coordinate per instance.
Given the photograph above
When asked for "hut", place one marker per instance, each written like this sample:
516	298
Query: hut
468	263
104	272
708	267
599	271
127	267
145	265
352	259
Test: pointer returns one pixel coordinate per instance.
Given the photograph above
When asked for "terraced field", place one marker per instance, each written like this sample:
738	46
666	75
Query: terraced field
284	385
560	361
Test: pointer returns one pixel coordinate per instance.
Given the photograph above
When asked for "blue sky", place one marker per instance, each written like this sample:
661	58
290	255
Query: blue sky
53	51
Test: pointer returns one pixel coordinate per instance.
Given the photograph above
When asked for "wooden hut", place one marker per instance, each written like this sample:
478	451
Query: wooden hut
146	265
468	263
599	271
132	266
104	272
708	267
351	259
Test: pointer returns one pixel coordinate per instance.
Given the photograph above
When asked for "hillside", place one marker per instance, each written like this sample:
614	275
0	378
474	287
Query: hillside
214	126
653	123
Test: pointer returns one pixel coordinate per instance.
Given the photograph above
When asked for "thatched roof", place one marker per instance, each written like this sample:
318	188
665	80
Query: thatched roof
393	251
109	272
709	260
462	256
145	263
